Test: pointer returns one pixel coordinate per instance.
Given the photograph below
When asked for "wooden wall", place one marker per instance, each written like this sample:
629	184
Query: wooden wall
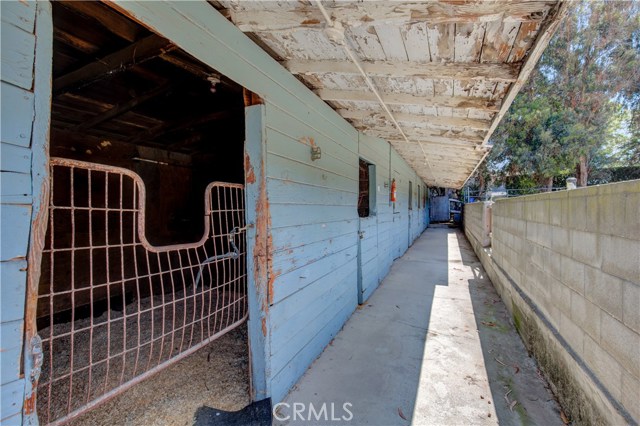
314	230
304	211
22	138
306	281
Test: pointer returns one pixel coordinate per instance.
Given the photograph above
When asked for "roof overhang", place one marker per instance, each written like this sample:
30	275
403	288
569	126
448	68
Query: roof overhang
434	78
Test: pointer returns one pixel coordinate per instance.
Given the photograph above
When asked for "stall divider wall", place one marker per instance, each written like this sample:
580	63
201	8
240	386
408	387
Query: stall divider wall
26	47
302	213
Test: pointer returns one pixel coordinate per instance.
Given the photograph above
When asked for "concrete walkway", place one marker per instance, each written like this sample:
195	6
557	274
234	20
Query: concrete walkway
433	345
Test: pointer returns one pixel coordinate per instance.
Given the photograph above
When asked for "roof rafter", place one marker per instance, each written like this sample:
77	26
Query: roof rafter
135	53
276	19
436	121
408	99
503	72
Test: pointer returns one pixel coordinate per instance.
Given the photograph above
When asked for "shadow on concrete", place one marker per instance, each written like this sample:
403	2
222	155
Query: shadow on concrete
374	363
433	345
520	393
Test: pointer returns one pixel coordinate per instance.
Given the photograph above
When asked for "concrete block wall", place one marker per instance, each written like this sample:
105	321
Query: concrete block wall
473	220
575	255
478	222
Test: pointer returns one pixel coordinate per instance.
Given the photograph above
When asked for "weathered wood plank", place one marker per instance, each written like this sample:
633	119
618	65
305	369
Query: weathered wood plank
498	40
11	395
10	348
441	41
257	250
14	158
540	44
366	43
376	151
296	15
305	256
327	288
288	168
288	315
124	107
468	42
136	53
19	13
391	42
13	183
287	215
440	70
418	134
526	36
16	56
292	237
301	130
285	191
106	17
409	99
16	115
293	370
379	117
13	275
15	222
416	42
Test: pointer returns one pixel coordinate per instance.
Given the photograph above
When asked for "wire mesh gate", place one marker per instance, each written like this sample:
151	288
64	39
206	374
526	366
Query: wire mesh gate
112	309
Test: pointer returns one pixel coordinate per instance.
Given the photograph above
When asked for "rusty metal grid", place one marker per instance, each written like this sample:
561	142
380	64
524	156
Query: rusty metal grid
112	308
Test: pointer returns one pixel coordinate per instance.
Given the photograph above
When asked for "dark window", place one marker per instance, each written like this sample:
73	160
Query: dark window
410	195
367	189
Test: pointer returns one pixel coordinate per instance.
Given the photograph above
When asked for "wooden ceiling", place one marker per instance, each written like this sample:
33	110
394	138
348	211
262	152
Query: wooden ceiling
113	80
446	70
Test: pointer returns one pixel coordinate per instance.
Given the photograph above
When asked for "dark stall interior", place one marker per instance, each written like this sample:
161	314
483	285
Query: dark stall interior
126	97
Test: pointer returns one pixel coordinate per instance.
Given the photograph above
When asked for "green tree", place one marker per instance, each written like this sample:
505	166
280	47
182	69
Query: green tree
568	114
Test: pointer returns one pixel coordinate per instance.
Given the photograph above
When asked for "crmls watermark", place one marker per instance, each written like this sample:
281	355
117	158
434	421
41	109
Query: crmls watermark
300	411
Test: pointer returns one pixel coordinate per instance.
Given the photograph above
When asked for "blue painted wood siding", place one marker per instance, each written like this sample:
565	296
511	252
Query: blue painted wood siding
314	225
312	205
17	115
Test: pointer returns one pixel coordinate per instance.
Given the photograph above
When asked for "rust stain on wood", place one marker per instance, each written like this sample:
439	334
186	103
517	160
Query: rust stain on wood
312	21
307	140
262	262
250	176
30	404
251	98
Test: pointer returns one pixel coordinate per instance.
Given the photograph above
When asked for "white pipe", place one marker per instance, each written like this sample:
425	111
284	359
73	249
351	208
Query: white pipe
373	88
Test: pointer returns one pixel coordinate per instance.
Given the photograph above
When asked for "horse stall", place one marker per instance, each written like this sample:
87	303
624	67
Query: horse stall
144	259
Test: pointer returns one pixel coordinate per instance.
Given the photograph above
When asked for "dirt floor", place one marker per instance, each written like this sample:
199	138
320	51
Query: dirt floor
154	331
216	376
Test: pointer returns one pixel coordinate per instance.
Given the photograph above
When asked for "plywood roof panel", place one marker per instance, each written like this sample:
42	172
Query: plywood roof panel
446	71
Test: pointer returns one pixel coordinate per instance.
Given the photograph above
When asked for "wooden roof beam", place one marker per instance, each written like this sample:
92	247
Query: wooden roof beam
502	72
425	136
543	38
135	53
109	18
483	104
366	116
182	124
438	161
354	14
124	107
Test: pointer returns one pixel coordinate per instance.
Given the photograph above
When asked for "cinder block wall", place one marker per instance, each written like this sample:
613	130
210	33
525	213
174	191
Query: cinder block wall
473	220
568	266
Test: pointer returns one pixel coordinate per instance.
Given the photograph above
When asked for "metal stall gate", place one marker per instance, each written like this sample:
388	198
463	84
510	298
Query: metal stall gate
112	309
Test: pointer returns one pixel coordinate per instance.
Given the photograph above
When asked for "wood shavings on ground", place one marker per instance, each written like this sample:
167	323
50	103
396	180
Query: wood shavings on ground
216	376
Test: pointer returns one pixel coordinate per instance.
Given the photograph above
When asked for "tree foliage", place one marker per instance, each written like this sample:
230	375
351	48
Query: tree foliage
580	108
